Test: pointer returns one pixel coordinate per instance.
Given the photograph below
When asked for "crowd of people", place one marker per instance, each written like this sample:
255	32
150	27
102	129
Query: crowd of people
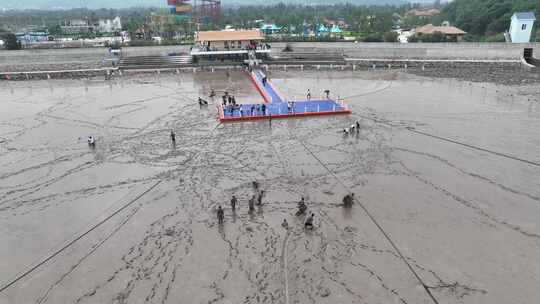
257	200
354	128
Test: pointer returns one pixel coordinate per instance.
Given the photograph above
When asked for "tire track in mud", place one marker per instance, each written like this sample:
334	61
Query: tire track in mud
469	204
327	243
73	241
153	262
284	258
473	175
374	221
147	265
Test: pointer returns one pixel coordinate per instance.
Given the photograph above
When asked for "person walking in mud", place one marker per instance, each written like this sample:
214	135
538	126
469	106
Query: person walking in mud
234	200
348	200
285	224
91	142
220	215
173	137
202	102
251	204
357	127
260	197
302	207
309	222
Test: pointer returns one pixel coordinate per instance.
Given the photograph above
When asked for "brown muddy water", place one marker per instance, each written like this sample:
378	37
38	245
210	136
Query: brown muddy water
448	171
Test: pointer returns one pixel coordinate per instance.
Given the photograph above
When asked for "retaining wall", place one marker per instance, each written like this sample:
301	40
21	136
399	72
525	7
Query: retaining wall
486	51
92	58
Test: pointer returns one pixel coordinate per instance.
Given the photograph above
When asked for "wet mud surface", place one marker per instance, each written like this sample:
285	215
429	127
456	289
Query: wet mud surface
504	74
447	223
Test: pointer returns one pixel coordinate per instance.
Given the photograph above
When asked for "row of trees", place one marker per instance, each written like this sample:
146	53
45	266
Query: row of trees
486	18
10	40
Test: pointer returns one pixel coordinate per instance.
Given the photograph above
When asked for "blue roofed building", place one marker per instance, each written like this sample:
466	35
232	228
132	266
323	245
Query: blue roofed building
270	29
323	31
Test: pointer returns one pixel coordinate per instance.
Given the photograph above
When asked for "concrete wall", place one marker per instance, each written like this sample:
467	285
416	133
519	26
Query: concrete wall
486	51
56	59
72	58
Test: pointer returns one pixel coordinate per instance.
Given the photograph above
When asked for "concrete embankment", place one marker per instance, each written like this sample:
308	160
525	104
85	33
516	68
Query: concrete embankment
97	61
426	51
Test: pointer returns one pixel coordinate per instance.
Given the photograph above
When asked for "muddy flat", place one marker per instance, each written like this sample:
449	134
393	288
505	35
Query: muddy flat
446	175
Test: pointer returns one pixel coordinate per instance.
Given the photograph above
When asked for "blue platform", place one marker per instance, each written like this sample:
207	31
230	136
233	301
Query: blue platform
276	107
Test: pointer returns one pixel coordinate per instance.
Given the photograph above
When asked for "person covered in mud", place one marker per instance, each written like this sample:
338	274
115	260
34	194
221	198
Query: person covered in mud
345	132
309	221
348	200
285	224
220	215
260	197
302	207
255	185
251	204
202	102
234	200
91	141
173	137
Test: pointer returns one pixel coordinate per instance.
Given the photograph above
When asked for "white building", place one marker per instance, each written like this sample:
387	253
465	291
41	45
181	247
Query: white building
109	26
521	27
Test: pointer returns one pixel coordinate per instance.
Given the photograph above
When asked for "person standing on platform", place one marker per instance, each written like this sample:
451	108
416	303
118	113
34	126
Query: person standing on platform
308	96
327	93
263	109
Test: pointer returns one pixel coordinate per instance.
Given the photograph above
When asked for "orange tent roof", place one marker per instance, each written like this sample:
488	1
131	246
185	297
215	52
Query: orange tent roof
448	30
242	35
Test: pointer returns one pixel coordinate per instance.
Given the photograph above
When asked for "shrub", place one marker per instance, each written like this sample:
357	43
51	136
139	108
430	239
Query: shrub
391	37
11	42
375	37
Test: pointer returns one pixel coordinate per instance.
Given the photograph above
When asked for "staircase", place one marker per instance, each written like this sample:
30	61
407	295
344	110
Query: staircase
529	58
154	62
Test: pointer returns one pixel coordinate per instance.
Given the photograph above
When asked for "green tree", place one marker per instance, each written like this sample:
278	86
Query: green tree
375	37
390	37
11	42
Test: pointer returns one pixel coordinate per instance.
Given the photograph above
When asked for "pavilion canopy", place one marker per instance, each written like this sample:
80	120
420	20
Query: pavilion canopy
241	35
